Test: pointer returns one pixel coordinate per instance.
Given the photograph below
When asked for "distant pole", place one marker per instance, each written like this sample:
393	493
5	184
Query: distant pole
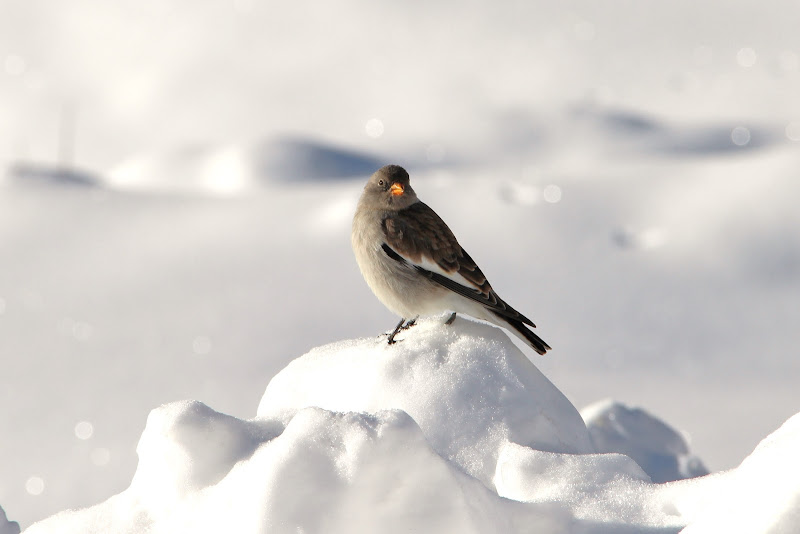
66	135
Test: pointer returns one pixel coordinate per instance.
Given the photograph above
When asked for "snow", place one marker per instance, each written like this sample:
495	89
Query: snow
761	495
661	451
6	526
142	299
466	406
175	208
237	169
452	429
320	472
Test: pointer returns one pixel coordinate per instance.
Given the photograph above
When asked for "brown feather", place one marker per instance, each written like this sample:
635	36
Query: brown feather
417	231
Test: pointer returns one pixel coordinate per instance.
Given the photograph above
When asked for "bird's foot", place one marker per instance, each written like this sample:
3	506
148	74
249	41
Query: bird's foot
409	323
400	327
395	331
450	319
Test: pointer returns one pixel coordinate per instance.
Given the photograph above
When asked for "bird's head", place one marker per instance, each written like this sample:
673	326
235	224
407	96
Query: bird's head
389	189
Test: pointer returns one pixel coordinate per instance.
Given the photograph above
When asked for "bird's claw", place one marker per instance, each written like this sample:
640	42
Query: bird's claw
400	327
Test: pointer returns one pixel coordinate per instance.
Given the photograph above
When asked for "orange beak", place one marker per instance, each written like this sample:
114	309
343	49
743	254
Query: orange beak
396	189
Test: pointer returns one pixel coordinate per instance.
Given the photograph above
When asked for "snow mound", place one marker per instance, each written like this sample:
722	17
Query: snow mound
6	526
202	471
451	429
661	451
237	168
468	388
762	495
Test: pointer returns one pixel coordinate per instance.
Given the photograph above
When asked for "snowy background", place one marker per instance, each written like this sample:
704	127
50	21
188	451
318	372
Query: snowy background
178	180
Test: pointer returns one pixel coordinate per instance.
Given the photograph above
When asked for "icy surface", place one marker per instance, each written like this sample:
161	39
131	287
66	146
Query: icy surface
406	444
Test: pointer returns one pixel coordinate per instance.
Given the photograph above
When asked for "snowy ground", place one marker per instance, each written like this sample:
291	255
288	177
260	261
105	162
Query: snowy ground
626	176
452	429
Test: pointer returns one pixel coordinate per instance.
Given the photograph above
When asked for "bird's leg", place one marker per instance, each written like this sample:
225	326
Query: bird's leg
400	327
450	319
410	323
396	330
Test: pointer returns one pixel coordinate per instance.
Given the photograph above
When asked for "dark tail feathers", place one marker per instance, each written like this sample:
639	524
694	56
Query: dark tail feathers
534	341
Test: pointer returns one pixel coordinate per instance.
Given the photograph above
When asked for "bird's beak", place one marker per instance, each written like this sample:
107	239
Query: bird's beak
396	189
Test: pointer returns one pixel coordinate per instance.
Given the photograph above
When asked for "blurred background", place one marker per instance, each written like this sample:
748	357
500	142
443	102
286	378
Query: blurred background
177	182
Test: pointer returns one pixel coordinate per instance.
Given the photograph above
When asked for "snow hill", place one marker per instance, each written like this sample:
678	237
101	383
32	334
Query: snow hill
452	429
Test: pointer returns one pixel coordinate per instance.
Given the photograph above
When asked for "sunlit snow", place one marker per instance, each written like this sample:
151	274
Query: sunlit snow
177	181
452	429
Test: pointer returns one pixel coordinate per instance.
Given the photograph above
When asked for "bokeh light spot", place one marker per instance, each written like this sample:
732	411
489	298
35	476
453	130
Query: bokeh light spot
552	194
84	430
374	128
746	57
100	456
521	193
201	345
79	330
793	131
653	238
226	172
82	331
789	61
34	485
740	136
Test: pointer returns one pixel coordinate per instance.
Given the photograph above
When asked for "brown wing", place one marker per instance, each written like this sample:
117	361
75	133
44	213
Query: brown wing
417	232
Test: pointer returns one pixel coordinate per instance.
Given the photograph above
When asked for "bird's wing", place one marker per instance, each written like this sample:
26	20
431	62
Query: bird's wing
418	237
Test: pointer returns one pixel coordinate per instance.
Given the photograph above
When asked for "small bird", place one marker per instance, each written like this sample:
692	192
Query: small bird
414	264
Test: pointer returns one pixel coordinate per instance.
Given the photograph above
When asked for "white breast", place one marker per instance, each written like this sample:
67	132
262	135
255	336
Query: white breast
399	287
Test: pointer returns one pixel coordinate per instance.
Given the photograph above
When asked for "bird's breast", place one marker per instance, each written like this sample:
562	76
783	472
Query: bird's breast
396	284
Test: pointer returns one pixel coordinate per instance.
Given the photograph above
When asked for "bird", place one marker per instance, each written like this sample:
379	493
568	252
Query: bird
414	264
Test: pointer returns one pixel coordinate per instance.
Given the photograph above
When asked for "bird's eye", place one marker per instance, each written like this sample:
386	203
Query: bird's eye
381	183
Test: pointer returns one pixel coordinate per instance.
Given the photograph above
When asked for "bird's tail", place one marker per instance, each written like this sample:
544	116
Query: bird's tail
525	334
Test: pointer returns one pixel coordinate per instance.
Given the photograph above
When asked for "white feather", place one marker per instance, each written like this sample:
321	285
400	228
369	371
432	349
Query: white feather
427	264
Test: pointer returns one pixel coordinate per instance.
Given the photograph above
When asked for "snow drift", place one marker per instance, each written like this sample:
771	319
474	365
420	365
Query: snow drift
661	451
237	168
452	429
468	393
